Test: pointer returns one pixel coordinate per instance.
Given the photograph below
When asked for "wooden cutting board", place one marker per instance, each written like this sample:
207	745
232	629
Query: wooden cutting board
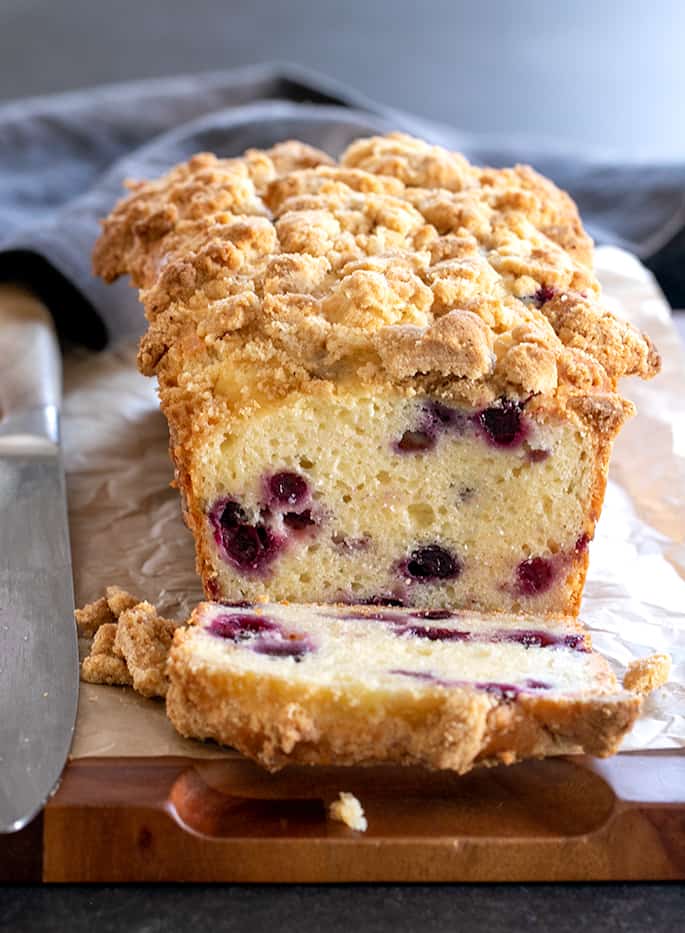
180	819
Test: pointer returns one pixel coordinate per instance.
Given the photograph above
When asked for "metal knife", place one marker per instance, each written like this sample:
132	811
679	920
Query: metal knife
38	644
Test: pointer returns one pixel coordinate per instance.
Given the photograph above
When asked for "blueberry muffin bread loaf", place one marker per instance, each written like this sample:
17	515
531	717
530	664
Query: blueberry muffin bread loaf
356	685
387	379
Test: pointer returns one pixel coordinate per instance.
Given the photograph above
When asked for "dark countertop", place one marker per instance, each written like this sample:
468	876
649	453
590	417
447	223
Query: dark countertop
611	908
489	66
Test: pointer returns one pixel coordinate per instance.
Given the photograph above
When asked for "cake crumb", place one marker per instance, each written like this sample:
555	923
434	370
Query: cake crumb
348	810
119	600
143	639
104	611
92	616
130	642
103	666
647	674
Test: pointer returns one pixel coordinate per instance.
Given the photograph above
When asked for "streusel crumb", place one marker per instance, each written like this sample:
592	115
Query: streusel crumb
647	674
103	611
143	639
130	645
92	616
119	600
103	666
348	810
284	271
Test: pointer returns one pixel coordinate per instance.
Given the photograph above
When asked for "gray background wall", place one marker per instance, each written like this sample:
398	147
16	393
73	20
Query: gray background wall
601	72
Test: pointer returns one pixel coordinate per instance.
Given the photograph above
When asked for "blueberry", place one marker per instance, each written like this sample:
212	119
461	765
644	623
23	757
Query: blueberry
502	691
432	633
435	418
544	294
298	520
240	627
249	547
382	599
444	415
361	615
534	576
576	642
416	441
537	638
582	543
267	636
432	614
529	638
292	647
287	488
433	563
232	515
418	675
502	424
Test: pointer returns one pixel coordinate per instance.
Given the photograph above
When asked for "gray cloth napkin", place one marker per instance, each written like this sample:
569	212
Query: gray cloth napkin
63	160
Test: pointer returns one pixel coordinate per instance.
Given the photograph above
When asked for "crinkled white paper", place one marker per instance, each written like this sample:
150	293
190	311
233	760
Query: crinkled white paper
126	524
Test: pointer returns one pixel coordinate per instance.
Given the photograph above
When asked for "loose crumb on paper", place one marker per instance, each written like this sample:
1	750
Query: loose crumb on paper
119	600
348	810
143	639
647	674
103	665
130	643
91	617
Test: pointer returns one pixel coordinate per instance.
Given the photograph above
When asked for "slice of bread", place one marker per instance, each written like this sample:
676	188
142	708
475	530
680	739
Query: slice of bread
358	685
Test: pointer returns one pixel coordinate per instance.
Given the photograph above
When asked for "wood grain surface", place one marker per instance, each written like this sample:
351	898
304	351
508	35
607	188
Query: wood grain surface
179	819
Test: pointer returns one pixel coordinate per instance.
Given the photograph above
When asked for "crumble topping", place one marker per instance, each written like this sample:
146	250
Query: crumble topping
143	639
400	265
130	643
103	665
93	616
119	600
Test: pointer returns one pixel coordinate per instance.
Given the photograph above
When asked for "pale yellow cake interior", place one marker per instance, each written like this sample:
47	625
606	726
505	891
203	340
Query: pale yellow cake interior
492	507
366	656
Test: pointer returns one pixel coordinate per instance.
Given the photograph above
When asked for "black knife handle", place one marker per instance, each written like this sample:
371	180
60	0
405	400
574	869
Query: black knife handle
30	366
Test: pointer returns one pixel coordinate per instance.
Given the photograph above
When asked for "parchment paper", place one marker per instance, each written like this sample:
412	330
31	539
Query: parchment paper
126	525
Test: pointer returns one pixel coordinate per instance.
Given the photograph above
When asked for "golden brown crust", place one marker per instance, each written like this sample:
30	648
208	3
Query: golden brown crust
402	265
460	733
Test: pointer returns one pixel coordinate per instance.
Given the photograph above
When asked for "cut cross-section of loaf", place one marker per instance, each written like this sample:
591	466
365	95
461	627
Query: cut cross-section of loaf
389	379
356	685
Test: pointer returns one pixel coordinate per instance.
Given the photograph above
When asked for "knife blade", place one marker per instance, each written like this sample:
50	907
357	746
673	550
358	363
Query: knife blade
38	643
